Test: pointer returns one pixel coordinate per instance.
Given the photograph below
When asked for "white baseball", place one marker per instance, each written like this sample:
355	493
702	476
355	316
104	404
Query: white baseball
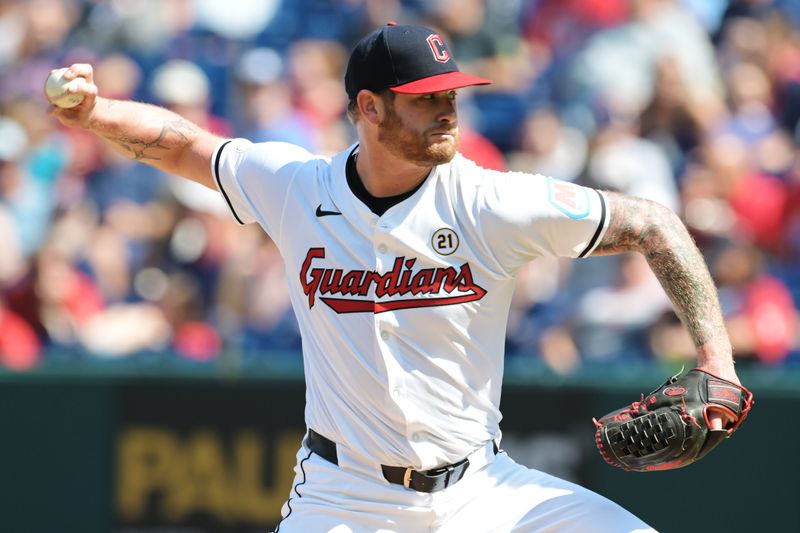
57	89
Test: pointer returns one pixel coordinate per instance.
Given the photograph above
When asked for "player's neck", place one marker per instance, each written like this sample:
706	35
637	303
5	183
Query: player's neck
384	174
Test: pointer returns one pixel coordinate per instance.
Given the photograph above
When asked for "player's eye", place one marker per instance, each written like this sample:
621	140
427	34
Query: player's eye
430	97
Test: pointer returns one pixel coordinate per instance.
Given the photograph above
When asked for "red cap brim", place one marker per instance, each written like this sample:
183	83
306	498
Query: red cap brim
440	82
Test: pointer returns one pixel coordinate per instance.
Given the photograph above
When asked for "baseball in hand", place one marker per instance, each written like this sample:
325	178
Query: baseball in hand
57	90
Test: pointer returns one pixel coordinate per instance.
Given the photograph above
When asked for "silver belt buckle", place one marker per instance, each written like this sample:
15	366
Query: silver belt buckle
407	477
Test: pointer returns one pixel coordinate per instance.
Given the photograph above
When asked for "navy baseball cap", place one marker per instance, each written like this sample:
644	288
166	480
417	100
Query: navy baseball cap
405	59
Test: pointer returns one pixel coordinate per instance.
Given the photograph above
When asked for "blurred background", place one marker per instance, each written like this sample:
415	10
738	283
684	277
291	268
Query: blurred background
149	358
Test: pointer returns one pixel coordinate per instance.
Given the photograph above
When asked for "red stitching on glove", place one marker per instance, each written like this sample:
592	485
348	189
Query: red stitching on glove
685	416
598	439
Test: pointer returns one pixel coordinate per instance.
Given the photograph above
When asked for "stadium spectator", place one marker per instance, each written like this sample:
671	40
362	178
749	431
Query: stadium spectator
694	104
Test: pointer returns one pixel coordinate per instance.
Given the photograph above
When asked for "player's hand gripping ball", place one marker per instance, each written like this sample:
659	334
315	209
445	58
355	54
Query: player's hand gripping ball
670	428
57	89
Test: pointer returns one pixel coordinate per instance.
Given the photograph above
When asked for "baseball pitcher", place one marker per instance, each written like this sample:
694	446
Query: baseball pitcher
401	258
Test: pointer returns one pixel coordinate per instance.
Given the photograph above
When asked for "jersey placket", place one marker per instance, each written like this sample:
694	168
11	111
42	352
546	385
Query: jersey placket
386	325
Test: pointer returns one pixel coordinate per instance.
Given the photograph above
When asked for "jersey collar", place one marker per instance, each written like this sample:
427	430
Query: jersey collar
354	209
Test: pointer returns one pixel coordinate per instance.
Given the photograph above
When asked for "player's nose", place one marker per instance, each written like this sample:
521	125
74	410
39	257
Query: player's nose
448	113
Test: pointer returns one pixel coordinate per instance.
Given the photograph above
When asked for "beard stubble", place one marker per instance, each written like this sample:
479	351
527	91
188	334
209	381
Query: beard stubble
411	145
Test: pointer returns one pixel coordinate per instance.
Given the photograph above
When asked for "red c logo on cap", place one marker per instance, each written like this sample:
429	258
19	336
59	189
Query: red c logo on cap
436	43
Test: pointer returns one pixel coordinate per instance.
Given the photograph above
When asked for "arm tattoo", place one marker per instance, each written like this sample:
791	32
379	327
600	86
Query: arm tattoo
655	231
141	149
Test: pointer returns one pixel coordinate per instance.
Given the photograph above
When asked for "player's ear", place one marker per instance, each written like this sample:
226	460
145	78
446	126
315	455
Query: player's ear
370	106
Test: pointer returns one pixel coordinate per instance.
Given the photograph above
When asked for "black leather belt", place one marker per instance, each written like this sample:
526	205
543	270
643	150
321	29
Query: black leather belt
432	480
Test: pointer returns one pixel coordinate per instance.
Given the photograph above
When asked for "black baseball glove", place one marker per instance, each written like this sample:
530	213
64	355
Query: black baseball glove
669	428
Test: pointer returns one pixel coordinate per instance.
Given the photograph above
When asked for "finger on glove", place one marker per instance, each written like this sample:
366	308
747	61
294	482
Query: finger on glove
719	419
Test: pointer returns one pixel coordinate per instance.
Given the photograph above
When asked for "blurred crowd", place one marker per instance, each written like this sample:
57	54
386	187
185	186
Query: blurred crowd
692	103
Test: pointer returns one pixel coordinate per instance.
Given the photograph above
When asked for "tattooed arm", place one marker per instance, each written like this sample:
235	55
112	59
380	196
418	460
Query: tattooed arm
142	132
638	225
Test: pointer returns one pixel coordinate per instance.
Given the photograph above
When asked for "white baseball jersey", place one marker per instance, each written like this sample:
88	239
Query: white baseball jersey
403	316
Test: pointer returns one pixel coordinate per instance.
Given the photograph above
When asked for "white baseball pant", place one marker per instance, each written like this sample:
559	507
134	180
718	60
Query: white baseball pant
497	495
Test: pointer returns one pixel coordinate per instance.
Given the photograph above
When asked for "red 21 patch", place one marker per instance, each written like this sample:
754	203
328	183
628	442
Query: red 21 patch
568	198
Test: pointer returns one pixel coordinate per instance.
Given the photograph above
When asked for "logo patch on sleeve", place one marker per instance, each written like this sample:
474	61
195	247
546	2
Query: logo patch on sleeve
568	198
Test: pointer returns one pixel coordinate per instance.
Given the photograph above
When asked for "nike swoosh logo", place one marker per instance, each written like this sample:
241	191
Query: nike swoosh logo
321	213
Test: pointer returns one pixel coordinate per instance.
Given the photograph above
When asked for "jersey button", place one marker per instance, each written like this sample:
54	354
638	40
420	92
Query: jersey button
415	437
382	248
385	335
397	393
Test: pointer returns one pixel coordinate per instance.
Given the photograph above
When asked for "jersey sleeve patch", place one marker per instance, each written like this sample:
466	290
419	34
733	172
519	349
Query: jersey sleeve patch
568	198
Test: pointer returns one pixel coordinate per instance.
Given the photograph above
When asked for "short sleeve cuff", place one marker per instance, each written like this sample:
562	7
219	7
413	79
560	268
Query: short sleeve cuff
225	161
602	225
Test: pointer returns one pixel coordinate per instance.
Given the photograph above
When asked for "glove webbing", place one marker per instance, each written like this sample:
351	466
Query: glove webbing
643	435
